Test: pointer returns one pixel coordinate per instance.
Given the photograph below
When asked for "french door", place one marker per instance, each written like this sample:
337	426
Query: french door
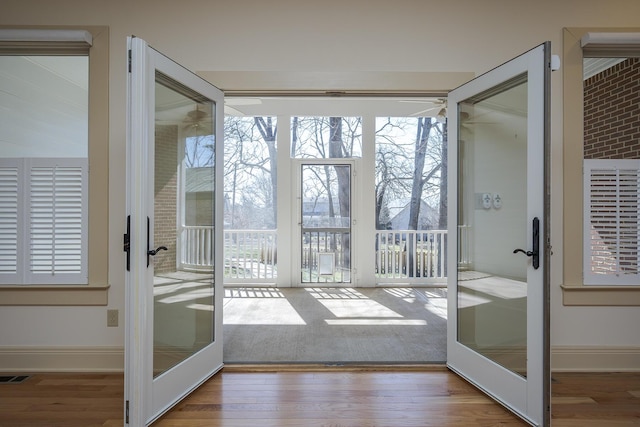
325	222
173	304
498	308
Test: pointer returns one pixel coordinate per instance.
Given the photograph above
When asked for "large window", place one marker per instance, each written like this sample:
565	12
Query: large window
409	174
43	181
600	125
611	91
54	178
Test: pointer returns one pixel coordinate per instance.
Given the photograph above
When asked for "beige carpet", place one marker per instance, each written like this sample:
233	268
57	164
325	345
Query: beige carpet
335	325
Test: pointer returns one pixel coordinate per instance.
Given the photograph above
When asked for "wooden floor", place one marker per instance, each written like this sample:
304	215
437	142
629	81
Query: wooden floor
332	398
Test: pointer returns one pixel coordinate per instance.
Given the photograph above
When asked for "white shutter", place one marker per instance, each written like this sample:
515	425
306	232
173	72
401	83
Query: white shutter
57	219
10	220
611	222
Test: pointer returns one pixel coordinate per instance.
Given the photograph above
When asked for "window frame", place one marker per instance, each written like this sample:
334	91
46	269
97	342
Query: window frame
574	290
95	292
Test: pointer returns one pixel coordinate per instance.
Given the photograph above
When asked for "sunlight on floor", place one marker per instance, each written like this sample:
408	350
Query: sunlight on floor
259	306
376	322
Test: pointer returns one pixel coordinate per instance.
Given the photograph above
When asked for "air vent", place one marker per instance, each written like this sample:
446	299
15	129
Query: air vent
15	379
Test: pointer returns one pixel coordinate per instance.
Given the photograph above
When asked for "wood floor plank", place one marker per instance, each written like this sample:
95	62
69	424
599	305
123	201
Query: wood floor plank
319	398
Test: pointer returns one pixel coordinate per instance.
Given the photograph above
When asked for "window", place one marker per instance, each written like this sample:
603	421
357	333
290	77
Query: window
43	138
611	93
54	240
326	137
600	125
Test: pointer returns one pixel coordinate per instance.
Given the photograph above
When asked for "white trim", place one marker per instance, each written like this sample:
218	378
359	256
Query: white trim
595	359
18	359
61	359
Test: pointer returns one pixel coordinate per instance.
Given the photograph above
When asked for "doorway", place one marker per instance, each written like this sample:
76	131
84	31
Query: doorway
325	223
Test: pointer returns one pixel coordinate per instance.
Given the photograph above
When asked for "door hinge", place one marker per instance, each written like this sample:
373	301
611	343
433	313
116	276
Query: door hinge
129	60
126	412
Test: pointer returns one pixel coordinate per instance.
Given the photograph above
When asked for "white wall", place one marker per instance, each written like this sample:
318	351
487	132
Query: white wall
330	36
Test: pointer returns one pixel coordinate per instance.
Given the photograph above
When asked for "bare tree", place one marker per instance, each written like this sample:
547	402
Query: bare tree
250	157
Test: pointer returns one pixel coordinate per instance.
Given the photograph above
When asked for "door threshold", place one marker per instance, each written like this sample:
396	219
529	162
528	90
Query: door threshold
333	367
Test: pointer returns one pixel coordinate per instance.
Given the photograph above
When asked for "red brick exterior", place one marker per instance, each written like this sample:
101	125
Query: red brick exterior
166	193
612	112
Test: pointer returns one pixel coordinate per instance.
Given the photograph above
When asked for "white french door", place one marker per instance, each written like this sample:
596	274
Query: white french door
498	309
174	184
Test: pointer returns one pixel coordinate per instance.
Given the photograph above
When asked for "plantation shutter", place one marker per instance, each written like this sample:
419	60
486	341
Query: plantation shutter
611	222
10	222
43	224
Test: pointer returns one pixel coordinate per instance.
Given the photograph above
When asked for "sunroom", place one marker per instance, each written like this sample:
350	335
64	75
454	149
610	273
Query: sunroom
323	191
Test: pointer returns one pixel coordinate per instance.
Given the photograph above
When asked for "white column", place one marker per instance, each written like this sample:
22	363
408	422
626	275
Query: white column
365	193
286	201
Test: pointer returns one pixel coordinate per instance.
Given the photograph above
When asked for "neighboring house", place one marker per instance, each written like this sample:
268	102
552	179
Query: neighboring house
427	219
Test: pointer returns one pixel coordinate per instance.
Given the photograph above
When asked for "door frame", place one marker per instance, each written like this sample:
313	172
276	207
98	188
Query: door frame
296	235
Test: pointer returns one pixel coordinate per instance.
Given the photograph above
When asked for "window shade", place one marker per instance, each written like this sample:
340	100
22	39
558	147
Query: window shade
611	213
44	42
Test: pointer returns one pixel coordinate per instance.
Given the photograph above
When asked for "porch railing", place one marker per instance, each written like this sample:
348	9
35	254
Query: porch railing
401	256
405	255
250	256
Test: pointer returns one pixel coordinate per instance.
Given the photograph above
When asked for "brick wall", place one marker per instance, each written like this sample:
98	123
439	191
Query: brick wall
612	112
166	192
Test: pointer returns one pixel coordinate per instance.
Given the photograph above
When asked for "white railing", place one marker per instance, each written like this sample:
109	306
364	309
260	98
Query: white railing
401	256
196	247
411	255
250	256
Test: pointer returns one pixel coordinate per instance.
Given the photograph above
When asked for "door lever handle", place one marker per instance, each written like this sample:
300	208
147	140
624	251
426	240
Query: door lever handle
527	253
154	252
535	253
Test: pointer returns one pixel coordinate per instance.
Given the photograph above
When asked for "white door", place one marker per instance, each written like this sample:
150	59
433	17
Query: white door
174	180
325	224
498	331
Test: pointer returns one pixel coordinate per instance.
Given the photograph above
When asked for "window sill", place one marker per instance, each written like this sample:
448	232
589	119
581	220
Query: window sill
79	295
601	295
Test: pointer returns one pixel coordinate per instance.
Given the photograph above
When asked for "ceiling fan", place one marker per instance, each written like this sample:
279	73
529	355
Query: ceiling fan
439	106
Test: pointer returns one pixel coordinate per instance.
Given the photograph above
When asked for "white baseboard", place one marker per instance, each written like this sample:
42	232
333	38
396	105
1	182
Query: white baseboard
111	359
61	359
595	359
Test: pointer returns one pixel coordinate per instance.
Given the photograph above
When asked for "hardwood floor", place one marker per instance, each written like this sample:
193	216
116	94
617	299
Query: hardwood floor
332	397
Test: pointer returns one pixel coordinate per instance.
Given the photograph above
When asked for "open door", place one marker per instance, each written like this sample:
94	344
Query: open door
498	307
174	290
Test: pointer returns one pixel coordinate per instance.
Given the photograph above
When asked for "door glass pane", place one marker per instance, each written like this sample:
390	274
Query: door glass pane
183	320
492	222
326	223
